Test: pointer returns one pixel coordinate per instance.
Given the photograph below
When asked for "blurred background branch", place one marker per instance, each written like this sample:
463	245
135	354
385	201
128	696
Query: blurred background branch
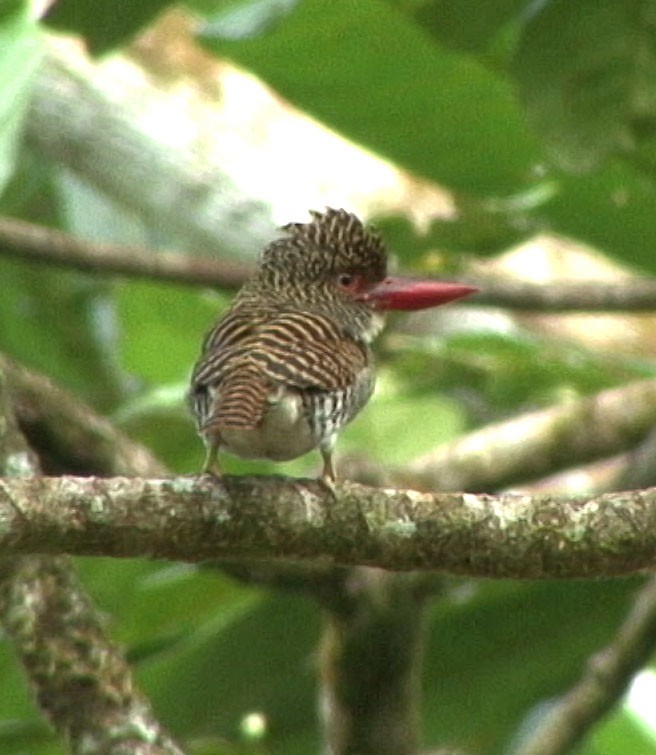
80	679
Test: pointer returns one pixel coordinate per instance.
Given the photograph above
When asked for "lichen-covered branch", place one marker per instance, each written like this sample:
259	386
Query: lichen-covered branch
71	436
604	681
81	680
199	519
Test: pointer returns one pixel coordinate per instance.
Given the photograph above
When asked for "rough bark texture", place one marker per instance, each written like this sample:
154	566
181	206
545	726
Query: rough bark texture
81	680
197	519
55	420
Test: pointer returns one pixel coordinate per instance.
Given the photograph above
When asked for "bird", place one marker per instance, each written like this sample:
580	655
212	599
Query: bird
289	364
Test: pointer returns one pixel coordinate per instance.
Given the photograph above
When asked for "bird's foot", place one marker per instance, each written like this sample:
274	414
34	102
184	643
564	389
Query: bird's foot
328	476
328	483
211	464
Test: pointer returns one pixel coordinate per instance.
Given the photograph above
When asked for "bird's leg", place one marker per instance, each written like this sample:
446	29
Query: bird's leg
328	474
211	463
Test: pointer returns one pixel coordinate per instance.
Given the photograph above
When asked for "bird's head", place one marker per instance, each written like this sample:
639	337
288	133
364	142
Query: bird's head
337	266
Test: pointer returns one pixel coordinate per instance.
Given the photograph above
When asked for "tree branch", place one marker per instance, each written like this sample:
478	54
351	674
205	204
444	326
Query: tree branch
38	243
67	434
81	680
370	658
537	443
199	519
630	295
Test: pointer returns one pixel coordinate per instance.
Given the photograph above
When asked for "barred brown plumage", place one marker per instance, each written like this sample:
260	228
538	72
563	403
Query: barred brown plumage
289	364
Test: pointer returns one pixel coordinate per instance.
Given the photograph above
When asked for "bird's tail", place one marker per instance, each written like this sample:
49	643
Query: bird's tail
239	403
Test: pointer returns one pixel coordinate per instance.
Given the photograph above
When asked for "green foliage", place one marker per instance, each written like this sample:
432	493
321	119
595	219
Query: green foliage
537	116
371	72
20	53
103	25
586	71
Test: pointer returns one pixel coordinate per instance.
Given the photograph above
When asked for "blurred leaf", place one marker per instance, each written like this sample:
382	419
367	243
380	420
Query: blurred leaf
248	19
22	729
468	25
20	53
620	733
611	209
398	425
477	225
161	329
586	72
49	320
223	671
156	605
369	71
104	25
515	371
508	647
31	193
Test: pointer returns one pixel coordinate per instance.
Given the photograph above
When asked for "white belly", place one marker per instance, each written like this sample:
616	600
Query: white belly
283	433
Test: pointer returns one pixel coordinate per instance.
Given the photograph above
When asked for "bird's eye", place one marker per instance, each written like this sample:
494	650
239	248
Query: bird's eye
348	282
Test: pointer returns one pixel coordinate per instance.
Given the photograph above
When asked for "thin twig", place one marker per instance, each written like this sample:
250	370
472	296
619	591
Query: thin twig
37	243
628	295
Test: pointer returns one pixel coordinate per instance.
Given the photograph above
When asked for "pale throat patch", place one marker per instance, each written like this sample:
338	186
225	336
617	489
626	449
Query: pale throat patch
375	326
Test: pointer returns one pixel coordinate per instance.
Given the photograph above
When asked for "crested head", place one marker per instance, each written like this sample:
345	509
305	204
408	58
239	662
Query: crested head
320	266
337	267
334	242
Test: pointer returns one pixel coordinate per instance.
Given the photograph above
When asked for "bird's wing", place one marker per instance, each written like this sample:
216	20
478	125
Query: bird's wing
307	351
244	361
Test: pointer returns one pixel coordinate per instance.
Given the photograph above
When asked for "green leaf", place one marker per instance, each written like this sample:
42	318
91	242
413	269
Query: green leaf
374	74
20	53
388	430
587	73
618	733
104	25
499	649
161	329
224	670
52	320
468	25
611	209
